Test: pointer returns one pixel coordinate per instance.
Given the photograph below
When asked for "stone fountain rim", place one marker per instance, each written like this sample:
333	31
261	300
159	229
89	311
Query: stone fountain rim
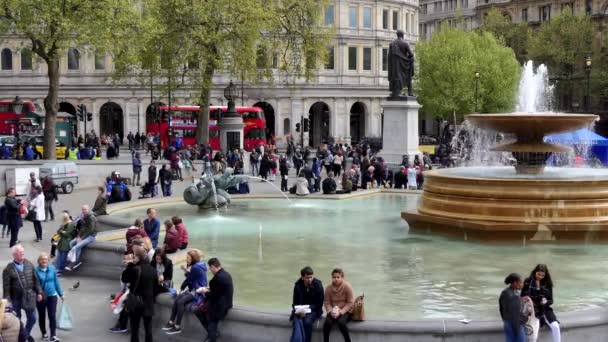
440	173
539	115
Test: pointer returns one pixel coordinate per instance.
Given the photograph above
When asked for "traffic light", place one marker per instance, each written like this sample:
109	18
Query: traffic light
80	112
298	127
306	125
89	116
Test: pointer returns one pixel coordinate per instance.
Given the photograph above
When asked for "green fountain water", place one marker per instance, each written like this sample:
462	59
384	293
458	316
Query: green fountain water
264	243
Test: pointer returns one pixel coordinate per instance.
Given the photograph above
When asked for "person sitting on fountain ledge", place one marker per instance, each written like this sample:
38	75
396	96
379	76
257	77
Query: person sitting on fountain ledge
308	295
539	287
329	184
152	226
339	301
218	299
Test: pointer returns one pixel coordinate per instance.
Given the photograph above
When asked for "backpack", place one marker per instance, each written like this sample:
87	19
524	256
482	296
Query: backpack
127	193
115	193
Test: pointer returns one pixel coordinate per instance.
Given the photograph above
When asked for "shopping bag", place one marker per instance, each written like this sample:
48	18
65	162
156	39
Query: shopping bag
65	320
119	302
358	313
72	255
23	209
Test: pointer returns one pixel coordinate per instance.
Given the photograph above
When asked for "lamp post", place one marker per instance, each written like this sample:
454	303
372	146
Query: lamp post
17	105
476	87
588	74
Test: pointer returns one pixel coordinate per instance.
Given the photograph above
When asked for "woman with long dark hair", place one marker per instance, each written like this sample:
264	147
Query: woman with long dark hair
539	287
510	305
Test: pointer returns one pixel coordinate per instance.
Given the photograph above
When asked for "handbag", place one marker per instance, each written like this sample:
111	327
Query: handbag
133	301
358	313
31	215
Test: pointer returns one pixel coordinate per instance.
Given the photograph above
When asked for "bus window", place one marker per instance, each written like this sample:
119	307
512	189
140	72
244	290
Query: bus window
215	134
214	114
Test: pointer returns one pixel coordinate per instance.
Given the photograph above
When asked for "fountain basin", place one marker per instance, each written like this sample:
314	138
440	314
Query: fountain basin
530	151
496	204
531	124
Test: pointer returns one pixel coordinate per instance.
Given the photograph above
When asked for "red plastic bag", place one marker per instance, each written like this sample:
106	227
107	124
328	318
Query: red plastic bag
23	209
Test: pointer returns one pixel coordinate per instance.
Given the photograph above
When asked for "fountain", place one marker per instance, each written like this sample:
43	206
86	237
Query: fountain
210	191
527	202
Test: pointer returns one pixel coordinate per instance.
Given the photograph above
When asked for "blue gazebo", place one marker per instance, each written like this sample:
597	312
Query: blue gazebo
598	144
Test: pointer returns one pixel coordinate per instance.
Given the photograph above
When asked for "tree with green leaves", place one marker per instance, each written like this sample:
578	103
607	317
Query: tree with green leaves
448	62
515	36
53	26
199	39
563	44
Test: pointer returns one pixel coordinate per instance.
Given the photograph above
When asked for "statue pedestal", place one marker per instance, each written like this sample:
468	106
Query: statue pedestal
231	132
400	130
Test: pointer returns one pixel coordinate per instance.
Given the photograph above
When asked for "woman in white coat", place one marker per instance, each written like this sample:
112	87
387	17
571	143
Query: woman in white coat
302	185
37	203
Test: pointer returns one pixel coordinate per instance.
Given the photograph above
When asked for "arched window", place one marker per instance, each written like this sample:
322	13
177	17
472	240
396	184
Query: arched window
100	61
73	59
7	59
26	59
286	126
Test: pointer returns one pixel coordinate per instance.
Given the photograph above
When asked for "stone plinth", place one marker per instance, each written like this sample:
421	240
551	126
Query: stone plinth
400	133
229	127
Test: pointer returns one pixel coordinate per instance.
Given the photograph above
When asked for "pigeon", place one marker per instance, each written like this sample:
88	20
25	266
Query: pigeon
75	286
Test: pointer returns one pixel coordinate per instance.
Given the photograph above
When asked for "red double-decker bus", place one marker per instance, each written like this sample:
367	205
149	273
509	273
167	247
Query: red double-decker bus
184	120
9	119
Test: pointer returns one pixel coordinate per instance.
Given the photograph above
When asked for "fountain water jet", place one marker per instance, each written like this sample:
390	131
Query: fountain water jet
535	92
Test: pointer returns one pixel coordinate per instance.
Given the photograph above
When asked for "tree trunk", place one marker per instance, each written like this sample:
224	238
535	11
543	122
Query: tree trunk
51	106
202	131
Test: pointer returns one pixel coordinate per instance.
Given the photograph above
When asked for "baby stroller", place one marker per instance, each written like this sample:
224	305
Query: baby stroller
148	190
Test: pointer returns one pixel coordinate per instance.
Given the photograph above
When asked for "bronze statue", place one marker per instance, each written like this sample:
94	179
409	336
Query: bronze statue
400	67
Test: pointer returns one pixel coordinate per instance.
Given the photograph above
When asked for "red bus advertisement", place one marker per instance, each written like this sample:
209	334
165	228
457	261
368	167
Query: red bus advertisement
184	120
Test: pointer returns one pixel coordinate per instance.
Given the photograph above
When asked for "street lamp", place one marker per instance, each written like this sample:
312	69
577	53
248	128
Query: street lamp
588	73
230	95
476	87
17	105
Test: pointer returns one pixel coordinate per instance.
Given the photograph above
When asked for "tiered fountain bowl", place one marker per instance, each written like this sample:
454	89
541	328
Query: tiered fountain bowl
526	203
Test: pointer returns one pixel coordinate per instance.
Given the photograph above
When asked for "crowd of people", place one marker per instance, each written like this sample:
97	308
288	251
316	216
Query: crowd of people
149	272
346	169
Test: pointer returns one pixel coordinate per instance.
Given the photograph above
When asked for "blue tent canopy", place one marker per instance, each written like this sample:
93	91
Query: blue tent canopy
581	136
597	143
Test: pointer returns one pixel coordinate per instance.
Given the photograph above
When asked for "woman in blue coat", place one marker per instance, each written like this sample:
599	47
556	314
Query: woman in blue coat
47	277
196	278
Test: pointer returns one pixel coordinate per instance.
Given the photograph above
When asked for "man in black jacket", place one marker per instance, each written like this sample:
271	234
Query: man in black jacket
20	285
141	278
13	217
218	300
307	291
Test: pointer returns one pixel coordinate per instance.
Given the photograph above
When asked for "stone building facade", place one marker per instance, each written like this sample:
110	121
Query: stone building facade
343	102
